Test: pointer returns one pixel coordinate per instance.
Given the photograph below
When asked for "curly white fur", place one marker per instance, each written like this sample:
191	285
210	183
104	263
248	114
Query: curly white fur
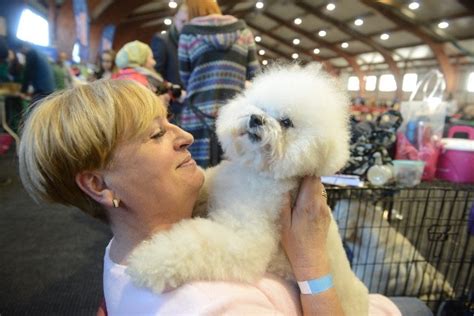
291	122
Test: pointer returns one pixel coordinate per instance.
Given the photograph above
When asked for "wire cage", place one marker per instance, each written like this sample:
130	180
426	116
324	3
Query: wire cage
416	242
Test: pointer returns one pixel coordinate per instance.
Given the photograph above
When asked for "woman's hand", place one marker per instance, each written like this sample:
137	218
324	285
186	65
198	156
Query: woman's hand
305	229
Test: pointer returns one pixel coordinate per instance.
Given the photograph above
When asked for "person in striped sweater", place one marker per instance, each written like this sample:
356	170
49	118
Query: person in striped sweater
217	54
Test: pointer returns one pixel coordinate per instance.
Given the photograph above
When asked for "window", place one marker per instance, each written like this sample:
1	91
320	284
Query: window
409	82
370	83
387	83
353	83
470	82
75	53
33	28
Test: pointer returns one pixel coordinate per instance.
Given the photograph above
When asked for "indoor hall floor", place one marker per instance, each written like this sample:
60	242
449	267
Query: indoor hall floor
50	256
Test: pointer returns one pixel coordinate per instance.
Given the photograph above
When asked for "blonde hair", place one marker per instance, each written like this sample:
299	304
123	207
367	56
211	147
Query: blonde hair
198	8
77	130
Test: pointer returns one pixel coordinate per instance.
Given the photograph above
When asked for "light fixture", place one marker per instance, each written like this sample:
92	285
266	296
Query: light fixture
330	6
322	33
163	32
443	25
172	4
295	56
264	62
296	41
258	39
345	45
167	21
413	5
384	37
298	21
359	22
261	52
316	51
259	5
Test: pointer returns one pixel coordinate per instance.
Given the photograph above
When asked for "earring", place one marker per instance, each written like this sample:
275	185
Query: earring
116	202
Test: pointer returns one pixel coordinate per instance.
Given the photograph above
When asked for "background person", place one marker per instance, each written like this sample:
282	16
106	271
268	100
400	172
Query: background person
37	73
135	61
217	54
165	52
107	67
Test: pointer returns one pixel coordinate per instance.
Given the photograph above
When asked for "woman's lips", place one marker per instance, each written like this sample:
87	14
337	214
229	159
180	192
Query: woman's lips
187	162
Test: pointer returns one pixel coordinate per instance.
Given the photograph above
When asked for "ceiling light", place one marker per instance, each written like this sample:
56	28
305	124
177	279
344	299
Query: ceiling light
345	45
322	33
172	4
261	52
331	6
163	32
296	41
258	39
413	5
384	37
443	25
359	22
167	21
264	62
316	51
295	56
298	21
259	5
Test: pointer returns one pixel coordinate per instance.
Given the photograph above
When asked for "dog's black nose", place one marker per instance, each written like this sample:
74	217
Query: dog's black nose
256	120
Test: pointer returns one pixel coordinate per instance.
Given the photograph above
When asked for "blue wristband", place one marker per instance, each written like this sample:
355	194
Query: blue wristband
316	286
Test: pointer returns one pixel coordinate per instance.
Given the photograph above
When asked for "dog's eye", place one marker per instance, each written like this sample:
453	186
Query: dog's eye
286	123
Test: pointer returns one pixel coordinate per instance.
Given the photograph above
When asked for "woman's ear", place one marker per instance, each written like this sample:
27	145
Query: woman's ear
92	183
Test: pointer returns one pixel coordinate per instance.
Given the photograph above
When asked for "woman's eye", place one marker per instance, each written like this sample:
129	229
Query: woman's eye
159	134
286	123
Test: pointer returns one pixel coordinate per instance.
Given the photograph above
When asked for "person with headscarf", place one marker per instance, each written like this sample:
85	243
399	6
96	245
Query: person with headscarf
135	61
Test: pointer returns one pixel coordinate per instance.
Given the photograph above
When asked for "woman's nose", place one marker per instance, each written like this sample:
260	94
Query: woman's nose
184	139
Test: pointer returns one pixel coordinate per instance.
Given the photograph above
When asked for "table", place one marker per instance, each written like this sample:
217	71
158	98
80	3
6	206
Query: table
4	119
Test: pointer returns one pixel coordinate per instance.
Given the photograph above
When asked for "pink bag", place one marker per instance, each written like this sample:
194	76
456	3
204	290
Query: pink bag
5	142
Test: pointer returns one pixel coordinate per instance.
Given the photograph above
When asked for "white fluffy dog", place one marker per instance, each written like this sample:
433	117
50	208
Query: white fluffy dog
291	122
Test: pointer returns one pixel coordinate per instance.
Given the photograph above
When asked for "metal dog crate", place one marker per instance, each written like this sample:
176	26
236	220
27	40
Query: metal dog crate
411	241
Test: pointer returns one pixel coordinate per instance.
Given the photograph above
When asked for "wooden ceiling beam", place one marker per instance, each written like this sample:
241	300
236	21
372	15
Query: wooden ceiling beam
282	41
349	58
342	26
406	23
113	14
118	11
468	4
274	50
142	18
96	8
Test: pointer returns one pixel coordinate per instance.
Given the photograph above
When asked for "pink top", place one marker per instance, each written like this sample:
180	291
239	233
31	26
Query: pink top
269	296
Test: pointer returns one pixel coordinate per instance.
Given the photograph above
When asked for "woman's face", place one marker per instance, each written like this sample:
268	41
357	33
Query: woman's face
150	62
107	62
155	176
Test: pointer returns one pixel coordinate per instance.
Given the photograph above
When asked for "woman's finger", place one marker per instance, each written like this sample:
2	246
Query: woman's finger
309	188
285	216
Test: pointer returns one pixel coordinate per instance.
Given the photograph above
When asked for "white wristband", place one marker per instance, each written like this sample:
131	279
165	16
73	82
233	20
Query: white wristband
316	286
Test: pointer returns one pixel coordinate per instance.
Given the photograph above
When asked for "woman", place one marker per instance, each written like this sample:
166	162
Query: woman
107	67
127	165
135	61
217	54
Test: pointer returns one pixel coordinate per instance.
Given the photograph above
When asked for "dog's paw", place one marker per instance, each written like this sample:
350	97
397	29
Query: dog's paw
152	264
